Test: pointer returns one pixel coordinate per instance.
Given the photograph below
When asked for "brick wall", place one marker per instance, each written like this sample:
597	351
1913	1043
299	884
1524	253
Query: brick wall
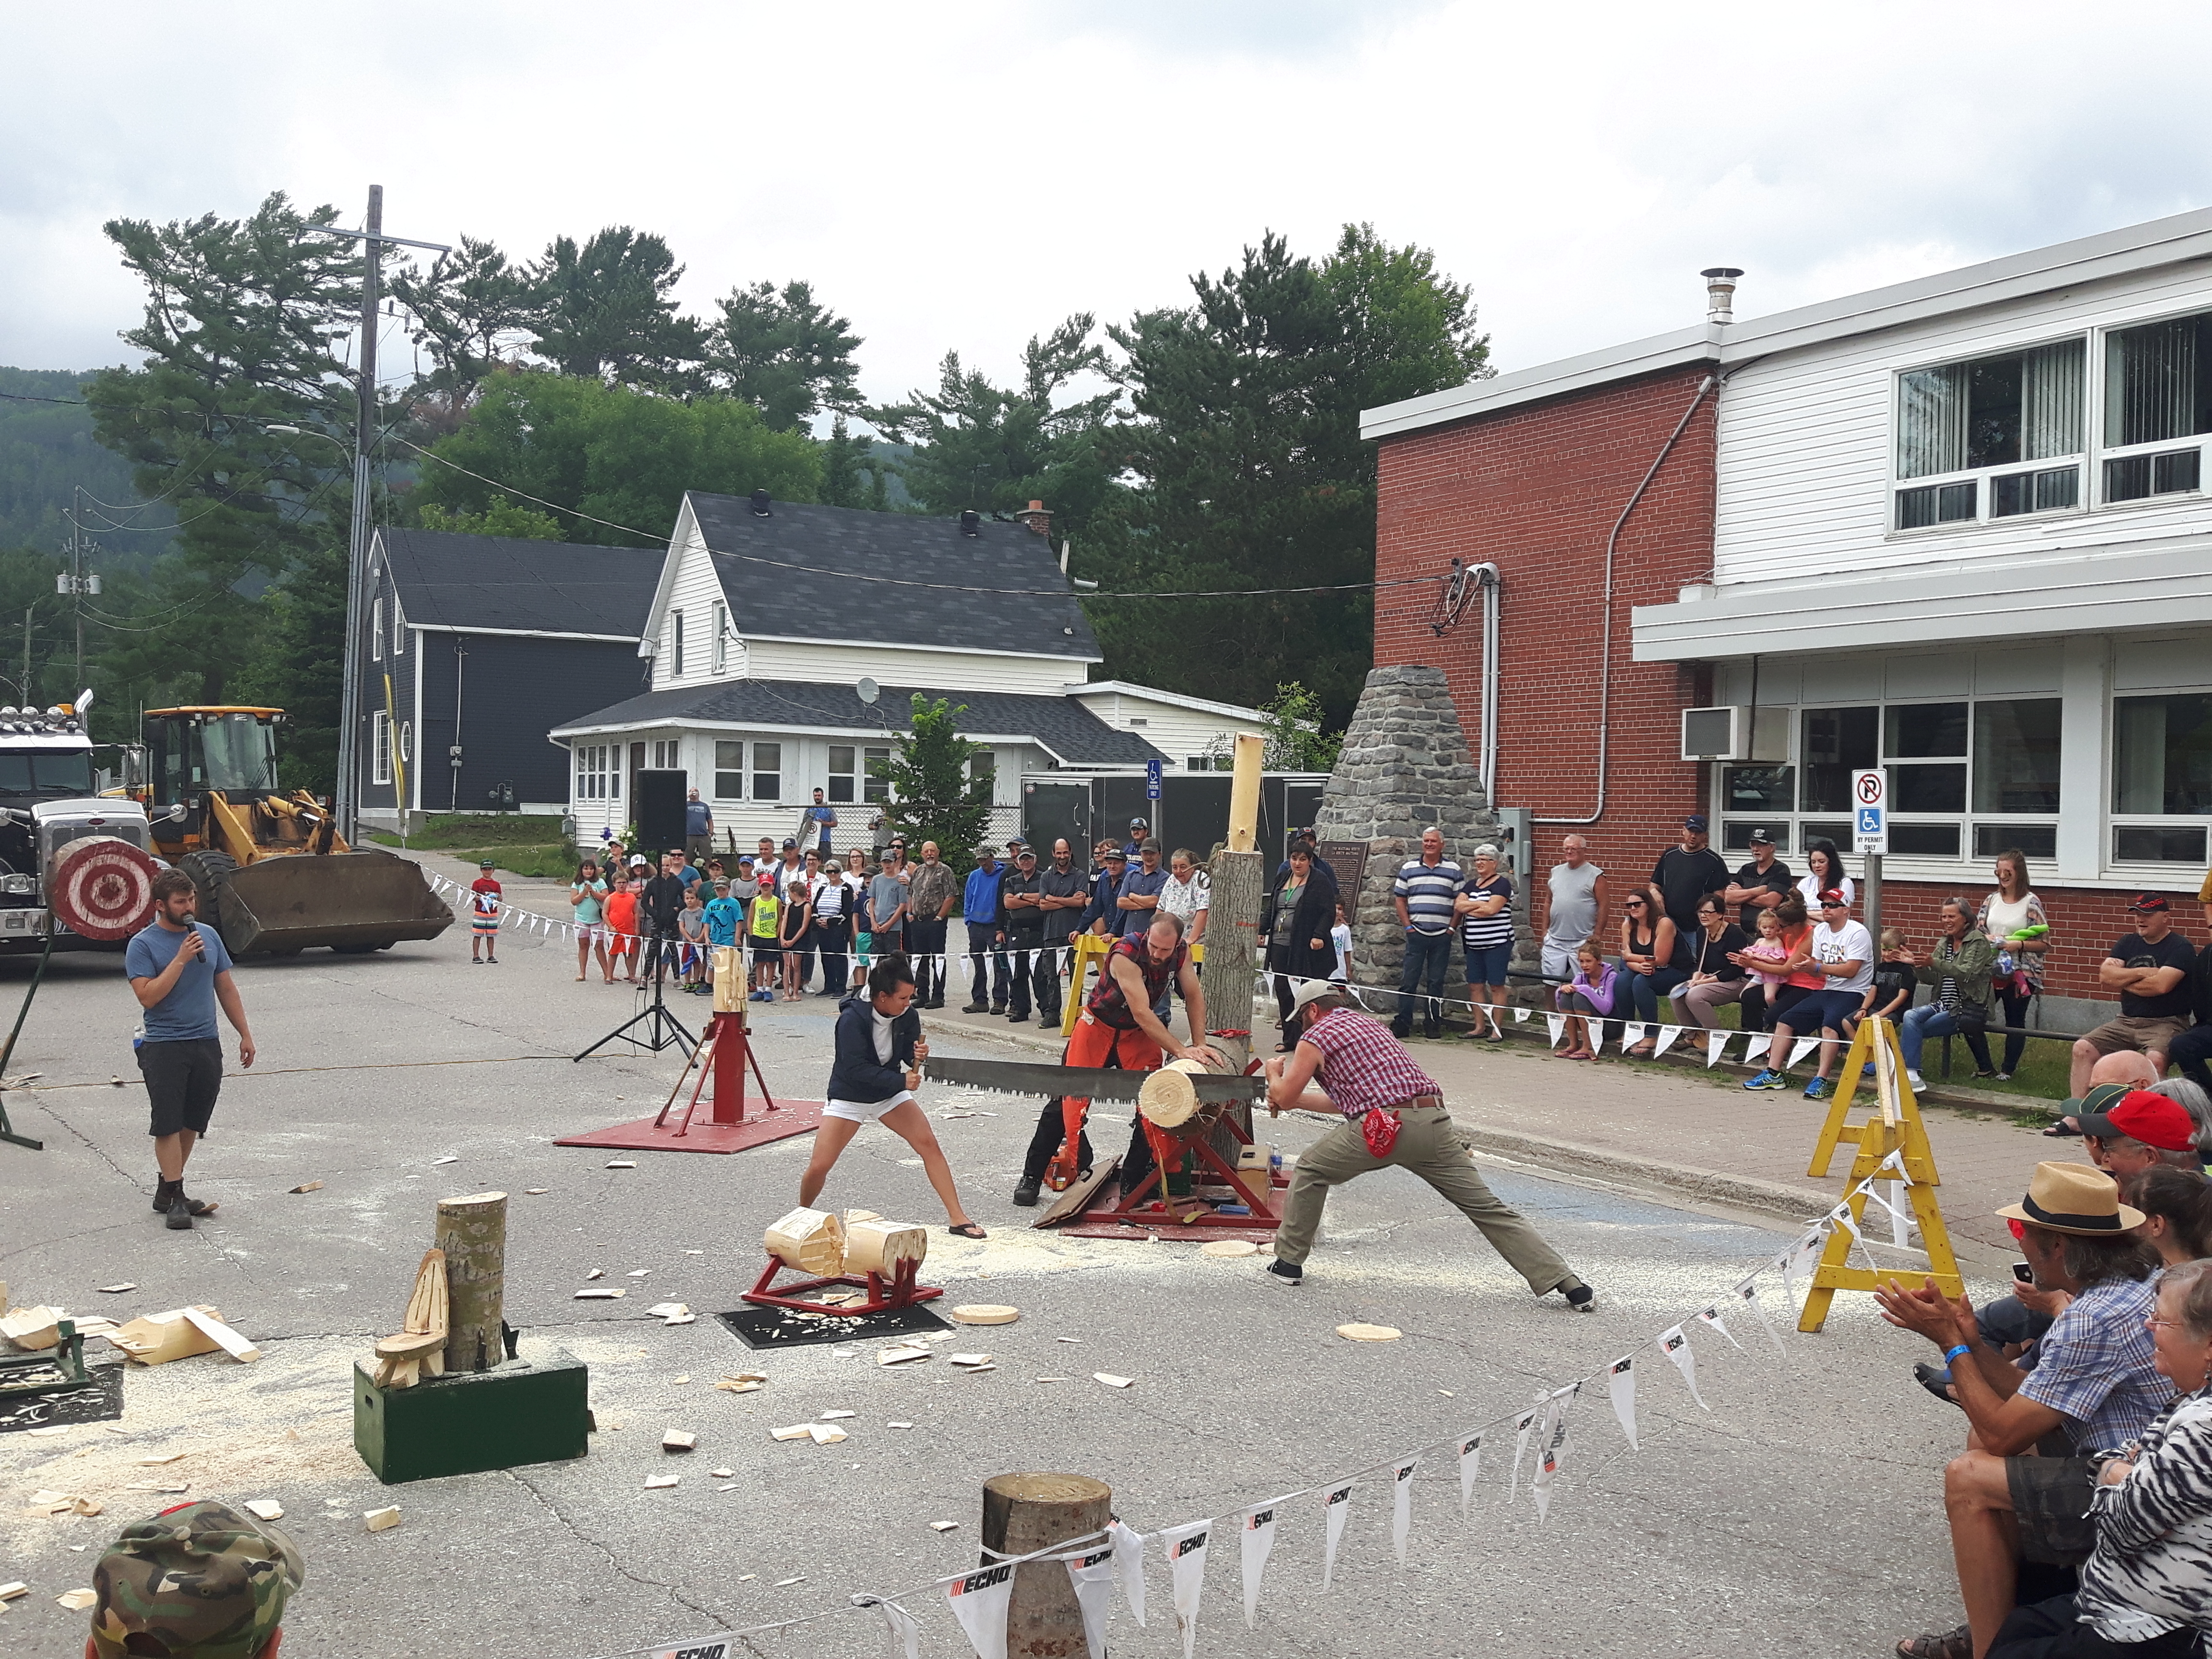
1536	490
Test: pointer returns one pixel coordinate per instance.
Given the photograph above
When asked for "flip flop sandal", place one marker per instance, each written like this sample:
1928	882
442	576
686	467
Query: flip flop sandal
967	1230
1952	1645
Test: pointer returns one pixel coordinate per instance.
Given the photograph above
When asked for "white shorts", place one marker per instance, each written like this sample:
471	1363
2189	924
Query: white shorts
1559	960
853	1111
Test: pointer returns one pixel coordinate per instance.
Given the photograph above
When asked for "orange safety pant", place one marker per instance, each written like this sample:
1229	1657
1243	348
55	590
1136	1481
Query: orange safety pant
1094	1042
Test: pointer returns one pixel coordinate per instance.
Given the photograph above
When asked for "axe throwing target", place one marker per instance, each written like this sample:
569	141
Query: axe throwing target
102	888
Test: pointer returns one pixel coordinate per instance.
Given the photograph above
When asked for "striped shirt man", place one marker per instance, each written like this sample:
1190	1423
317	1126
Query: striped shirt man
1428	889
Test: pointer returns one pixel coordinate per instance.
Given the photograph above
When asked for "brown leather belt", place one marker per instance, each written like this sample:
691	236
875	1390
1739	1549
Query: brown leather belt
1416	1103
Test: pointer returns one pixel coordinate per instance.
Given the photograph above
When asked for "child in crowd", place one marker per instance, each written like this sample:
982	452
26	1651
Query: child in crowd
1341	936
691	923
792	936
1591	992
1755	959
622	924
1892	990
768	951
485	896
726	919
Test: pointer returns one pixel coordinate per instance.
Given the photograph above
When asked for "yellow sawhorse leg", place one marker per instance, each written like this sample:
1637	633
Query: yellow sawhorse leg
1896	1127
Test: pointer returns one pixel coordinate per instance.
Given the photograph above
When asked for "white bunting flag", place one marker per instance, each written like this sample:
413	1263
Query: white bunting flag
1596	1029
1470	1460
1092	1575
1841	1216
906	1630
979	1602
1521	1426
1803	1047
1668	1036
1712	1317
1755	1050
1185	1548
1520	1016
1336	1504
1129	1565
1676	1346
1402	1505
1800	1260
1647	1033
1557	1025
1621	1381
1900	1220
1558	1445
1716	1044
1256	1542
1748	1291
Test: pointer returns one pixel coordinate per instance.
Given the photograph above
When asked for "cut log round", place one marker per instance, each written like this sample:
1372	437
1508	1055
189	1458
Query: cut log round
1024	1513
985	1313
812	1241
409	1344
1168	1097
1370	1332
472	1234
878	1246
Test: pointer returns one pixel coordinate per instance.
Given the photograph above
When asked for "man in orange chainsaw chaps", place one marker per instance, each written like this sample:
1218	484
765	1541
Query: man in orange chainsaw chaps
1118	1028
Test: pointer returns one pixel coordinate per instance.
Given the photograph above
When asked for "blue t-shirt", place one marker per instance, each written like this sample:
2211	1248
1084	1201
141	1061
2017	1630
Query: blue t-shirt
1138	884
187	1013
698	818
724	917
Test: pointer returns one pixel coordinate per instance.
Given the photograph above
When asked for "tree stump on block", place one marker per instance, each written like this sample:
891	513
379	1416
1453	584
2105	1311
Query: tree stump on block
878	1246
812	1241
472	1234
1026	1512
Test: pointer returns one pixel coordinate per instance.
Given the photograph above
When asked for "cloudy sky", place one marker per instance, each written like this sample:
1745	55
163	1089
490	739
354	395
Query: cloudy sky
961	176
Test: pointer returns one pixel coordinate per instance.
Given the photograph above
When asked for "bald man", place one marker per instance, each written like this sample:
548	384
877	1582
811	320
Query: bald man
2128	1069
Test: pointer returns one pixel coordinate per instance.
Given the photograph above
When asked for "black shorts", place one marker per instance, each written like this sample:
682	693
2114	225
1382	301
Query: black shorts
2051	1501
766	956
182	1080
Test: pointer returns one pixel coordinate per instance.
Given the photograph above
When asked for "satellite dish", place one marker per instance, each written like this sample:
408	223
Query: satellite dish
867	690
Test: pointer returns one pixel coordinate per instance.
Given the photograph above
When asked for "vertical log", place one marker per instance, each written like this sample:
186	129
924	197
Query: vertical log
472	1232
1232	926
1244	793
1026	1512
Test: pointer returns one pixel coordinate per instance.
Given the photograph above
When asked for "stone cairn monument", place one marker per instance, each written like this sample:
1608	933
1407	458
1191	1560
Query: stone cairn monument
1404	767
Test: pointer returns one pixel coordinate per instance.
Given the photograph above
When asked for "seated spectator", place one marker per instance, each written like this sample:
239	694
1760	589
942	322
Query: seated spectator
1763	961
1894	985
1840	954
1958	969
2194	1101
1648	953
2095	1381
2150	968
2190	1052
2177	1207
2136	1132
1716	978
1594	991
2121	1071
2146	1590
200	1581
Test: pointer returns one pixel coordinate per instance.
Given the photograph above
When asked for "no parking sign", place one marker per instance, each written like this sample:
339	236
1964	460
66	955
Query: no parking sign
1870	812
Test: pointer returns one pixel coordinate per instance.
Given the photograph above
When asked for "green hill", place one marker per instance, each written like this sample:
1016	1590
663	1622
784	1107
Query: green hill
46	450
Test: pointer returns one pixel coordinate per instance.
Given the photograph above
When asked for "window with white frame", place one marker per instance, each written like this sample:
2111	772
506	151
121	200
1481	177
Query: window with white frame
376	628
1992	438
983	767
2161	778
1968	778
665	752
875	780
844	760
407	740
380	747
719	614
767	771
729	770
598	765
2158	391
398	628
676	649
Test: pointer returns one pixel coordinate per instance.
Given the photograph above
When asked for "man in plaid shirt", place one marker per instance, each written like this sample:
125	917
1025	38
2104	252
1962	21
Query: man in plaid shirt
1362	1069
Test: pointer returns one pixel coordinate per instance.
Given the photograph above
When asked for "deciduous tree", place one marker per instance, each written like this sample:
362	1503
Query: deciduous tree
934	793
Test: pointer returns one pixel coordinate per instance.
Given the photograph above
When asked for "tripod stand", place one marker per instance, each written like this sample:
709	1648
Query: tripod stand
662	1029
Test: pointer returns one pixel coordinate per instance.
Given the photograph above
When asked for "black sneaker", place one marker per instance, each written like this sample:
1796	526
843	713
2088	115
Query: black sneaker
181	1213
1403	1033
1288	1275
1048	1019
1026	1191
1582	1299
998	1007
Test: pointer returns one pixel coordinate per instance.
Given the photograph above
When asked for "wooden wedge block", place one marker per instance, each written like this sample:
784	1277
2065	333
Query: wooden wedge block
157	1339
796	1432
223	1336
410	1344
679	1440
1073	1202
825	1434
382	1520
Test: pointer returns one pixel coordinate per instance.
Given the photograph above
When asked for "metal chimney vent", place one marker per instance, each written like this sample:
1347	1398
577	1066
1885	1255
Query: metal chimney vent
1720	292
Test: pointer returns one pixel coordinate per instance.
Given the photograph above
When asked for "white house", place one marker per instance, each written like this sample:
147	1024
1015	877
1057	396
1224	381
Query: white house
770	615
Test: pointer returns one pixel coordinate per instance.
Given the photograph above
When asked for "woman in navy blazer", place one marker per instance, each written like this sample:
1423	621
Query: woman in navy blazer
878	1068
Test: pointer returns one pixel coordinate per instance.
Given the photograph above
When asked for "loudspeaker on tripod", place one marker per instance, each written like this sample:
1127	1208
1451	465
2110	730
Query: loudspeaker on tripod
660	810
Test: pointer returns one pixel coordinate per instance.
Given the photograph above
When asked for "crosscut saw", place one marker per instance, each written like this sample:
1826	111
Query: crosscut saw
1037	1079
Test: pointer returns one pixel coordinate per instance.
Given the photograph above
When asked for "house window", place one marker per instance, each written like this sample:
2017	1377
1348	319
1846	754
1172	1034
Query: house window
1988	417
719	652
729	770
983	767
841	773
398	628
667	754
675	653
599	771
2162	768
876	785
767	771
407	740
380	747
376	628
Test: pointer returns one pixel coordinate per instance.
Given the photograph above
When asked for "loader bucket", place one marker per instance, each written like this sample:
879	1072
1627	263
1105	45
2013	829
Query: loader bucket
352	901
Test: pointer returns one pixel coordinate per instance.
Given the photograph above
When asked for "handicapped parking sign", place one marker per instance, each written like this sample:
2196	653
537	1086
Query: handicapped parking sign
1870	812
1153	780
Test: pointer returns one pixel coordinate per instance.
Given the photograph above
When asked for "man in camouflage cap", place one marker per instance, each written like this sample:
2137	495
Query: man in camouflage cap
200	1581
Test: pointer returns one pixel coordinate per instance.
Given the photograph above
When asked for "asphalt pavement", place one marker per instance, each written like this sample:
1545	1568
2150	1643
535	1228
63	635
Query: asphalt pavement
1802	1509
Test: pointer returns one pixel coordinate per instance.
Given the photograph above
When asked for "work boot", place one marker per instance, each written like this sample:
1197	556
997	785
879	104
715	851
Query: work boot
1026	1189
977	1008
1432	1028
163	1192
1048	1019
1402	1029
180	1214
998	1007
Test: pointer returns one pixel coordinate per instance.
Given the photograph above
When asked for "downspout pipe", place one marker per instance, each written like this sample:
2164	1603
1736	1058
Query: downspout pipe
1605	658
1487	576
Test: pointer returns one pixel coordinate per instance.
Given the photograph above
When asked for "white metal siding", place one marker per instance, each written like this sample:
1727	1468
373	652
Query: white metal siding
1177	733
695	591
840	663
1805	436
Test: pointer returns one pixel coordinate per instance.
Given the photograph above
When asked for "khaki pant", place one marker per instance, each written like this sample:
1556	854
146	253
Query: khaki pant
1430	1147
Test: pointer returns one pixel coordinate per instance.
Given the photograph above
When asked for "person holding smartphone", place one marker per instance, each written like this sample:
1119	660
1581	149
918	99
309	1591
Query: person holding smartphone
179	972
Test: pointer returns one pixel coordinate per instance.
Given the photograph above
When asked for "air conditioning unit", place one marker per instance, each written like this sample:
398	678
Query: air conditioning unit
1726	733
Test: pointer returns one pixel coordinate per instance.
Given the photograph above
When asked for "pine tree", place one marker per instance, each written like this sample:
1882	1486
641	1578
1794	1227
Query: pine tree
934	795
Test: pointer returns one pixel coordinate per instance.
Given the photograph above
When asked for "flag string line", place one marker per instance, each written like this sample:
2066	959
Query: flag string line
1814	1237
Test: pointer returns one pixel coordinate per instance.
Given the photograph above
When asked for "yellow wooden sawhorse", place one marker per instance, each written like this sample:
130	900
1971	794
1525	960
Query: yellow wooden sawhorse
1091	947
1896	1127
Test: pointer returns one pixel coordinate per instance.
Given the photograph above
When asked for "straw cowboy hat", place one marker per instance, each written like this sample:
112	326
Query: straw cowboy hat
2074	1198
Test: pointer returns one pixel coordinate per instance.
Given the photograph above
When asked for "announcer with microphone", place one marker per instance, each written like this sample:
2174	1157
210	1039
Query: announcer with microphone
179	971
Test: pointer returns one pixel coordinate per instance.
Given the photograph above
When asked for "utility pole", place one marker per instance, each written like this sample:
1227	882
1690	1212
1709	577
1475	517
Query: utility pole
73	582
29	701
373	241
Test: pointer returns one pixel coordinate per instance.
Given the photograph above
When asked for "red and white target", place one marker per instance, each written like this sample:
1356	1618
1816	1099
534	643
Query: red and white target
102	888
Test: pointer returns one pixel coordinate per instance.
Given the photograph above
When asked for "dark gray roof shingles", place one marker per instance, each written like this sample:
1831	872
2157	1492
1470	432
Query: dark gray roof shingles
1062	725
768	597
450	581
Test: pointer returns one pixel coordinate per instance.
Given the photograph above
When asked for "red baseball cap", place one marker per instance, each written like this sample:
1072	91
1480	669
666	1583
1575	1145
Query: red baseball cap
2152	1119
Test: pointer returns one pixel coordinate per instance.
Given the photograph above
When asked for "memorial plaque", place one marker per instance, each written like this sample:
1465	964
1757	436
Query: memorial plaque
1349	860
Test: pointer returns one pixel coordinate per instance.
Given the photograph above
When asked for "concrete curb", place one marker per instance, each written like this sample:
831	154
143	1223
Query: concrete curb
1715	1186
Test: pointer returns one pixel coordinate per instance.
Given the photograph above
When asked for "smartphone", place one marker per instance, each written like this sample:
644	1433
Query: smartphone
2023	1273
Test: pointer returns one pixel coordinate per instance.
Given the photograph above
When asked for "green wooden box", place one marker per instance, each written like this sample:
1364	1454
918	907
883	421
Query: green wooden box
528	1411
